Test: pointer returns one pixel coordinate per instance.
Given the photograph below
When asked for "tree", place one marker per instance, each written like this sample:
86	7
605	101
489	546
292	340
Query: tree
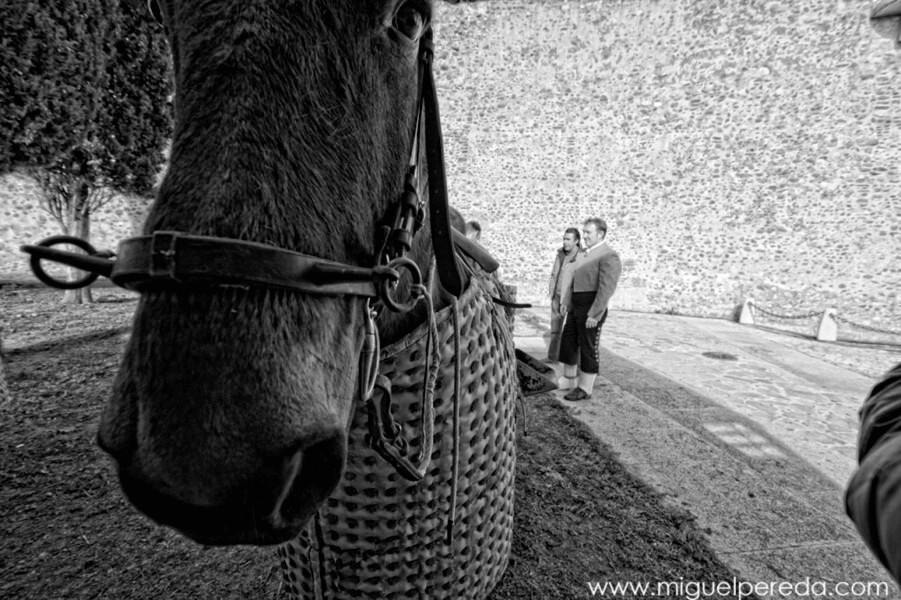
71	199
84	85
59	53
52	65
136	115
5	397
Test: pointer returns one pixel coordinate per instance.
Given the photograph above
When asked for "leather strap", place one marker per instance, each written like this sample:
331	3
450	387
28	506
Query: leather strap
442	238
172	258
475	251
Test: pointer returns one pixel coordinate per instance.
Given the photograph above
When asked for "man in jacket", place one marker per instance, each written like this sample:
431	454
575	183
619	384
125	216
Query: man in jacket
594	280
561	279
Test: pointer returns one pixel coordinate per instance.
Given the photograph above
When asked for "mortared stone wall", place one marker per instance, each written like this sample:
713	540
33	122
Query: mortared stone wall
736	148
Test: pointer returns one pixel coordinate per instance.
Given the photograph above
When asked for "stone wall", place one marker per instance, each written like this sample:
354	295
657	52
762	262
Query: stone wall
22	221
735	147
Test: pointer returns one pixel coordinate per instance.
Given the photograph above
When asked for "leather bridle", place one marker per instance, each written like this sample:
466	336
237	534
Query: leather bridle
173	260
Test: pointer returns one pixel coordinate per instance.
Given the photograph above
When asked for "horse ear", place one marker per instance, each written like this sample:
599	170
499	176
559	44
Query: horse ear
154	8
456	219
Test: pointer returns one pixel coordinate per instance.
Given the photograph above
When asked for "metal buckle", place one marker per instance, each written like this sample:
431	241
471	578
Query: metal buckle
387	283
162	256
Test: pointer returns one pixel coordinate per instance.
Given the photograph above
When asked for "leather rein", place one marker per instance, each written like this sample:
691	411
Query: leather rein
173	259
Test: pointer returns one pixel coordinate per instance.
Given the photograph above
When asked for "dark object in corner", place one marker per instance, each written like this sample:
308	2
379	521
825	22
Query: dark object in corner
534	376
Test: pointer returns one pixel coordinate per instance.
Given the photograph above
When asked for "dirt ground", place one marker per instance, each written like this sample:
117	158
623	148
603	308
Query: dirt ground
68	532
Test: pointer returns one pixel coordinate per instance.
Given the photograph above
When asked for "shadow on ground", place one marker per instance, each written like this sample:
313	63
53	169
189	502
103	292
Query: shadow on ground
68	532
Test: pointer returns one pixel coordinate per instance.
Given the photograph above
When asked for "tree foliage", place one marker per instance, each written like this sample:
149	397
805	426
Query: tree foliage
54	61
136	115
83	86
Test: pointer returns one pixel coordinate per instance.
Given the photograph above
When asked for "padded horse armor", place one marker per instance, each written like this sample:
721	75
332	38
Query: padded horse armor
445	537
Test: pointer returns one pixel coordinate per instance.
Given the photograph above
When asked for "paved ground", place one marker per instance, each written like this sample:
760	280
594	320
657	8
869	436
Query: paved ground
758	445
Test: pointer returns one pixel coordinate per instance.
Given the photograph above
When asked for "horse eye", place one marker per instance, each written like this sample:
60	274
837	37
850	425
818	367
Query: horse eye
154	7
411	20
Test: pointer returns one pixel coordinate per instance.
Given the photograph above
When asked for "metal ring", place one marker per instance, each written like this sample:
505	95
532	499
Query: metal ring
41	274
385	290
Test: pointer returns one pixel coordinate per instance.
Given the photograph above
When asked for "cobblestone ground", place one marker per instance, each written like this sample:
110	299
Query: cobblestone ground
752	430
806	393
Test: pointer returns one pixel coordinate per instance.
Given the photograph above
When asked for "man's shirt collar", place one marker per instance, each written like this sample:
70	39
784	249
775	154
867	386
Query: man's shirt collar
596	246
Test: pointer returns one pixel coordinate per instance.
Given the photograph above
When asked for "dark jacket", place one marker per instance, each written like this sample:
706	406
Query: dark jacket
873	497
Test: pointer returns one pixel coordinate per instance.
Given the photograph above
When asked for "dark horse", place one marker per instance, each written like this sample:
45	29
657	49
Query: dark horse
293	123
236	407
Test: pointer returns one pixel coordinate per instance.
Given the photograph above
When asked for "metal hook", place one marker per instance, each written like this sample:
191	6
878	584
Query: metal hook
91	262
369	356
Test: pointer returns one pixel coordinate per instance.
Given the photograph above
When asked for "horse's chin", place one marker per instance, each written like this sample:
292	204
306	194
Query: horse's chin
262	511
243	523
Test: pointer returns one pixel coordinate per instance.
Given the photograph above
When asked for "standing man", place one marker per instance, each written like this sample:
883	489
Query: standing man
594	281
561	278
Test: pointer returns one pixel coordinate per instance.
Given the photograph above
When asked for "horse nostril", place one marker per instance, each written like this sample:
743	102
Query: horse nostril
118	450
321	466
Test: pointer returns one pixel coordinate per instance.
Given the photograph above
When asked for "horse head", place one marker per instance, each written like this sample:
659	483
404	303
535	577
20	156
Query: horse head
293	124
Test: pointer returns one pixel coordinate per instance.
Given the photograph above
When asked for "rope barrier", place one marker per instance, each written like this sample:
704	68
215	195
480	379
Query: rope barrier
826	330
813	313
865	327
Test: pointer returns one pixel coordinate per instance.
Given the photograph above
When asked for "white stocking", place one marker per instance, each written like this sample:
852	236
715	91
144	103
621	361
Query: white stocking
586	381
568	381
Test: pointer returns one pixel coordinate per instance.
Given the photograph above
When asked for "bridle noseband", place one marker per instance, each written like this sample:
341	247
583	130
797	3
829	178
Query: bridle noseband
175	260
171	258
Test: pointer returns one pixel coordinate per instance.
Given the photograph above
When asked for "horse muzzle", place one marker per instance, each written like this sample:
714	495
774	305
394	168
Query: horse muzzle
270	507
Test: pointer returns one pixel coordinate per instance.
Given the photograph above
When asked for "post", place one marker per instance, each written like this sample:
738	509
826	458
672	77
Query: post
828	328
746	317
5	396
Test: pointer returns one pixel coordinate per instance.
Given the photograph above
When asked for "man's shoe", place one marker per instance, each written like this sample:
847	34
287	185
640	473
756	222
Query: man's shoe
576	394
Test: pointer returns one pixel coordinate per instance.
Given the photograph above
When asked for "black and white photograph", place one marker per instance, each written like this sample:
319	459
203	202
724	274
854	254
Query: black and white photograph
450	299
